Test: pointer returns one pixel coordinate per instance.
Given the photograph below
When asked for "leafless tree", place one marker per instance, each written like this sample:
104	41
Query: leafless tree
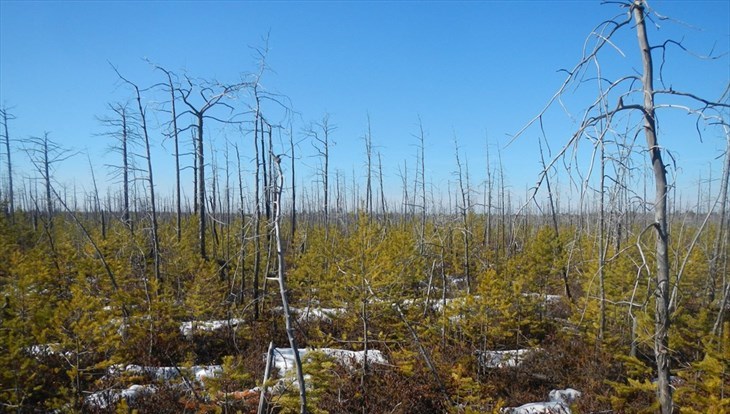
174	134
142	116
211	96
369	170
320	135
635	93
463	210
281	277
120	126
6	116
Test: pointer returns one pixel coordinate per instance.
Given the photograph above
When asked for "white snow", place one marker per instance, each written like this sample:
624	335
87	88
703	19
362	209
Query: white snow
539	408
558	403
284	357
187	328
312	314
567	396
502	359
546	299
201	372
41	350
104	399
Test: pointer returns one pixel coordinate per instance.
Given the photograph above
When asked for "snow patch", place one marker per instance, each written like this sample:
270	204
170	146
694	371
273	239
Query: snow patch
163	374
312	313
503	359
107	398
558	403
539	408
567	396
284	357
189	327
546	299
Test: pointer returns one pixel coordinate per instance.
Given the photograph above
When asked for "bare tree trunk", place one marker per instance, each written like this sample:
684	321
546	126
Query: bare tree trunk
150	179
720	240
47	178
257	223
178	194
199	114
422	156
267	369
11	202
126	218
601	249
242	252
463	212
293	191
96	202
488	203
368	186
662	316
195	172
201	186
383	208
282	286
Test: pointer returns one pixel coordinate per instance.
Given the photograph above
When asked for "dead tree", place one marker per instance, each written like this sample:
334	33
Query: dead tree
369	170
635	93
463	210
320	135
211	96
120	129
44	154
174	134
6	136
383	206
421	179
142	118
293	190
281	277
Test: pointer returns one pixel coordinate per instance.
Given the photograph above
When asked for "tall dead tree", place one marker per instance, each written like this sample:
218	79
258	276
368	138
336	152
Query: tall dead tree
636	93
421	179
142	118
174	134
383	203
320	134
281	277
120	129
463	211
6	137
44	154
210	97
293	230
369	170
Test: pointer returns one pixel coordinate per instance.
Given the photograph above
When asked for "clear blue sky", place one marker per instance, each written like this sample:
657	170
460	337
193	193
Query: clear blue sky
469	69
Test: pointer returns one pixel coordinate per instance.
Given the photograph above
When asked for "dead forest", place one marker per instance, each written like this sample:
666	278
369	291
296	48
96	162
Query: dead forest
242	291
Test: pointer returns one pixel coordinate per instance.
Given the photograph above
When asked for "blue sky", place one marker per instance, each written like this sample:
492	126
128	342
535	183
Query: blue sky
470	70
